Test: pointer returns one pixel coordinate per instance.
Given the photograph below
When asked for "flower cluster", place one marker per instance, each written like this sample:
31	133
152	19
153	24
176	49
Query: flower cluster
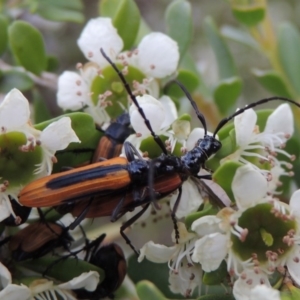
95	84
252	238
229	235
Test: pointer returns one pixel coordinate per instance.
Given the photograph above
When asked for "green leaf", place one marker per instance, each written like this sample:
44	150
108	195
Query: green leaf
239	35
272	81
66	4
52	63
108	8
179	24
27	46
55	10
15	79
189	79
41	111
121	12
216	277
144	29
3	34
188	63
60	15
250	14
226	94
224	176
289	49
146	290
225	61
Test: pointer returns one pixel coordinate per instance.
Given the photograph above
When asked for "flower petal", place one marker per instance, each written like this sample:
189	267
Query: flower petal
5	276
87	280
292	264
100	33
244	125
73	92
206	225
14	111
244	285
281	120
5	207
156	253
186	279
249	186
154	112
158	55
15	292
190	199
58	135
210	251
295	204
170	110
184	235
196	134
264	292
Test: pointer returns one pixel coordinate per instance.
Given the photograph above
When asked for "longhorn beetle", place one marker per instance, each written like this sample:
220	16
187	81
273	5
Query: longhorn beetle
118	177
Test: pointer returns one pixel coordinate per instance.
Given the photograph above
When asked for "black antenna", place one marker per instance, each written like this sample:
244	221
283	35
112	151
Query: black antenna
193	103
133	98
241	110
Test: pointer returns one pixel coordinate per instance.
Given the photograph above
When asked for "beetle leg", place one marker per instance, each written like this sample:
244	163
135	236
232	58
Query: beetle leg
128	224
116	212
81	216
130	152
173	214
208	177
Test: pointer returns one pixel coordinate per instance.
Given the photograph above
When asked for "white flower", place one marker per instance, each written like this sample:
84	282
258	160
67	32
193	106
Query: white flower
253	286
154	61
160	113
56	136
100	33
260	237
216	243
178	257
156	56
264	145
15	118
5	204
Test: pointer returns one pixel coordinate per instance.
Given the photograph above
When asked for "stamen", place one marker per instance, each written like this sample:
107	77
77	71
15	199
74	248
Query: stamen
79	66
240	232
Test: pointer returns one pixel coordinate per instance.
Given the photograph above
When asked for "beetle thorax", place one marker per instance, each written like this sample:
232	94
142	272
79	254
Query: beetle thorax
194	159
